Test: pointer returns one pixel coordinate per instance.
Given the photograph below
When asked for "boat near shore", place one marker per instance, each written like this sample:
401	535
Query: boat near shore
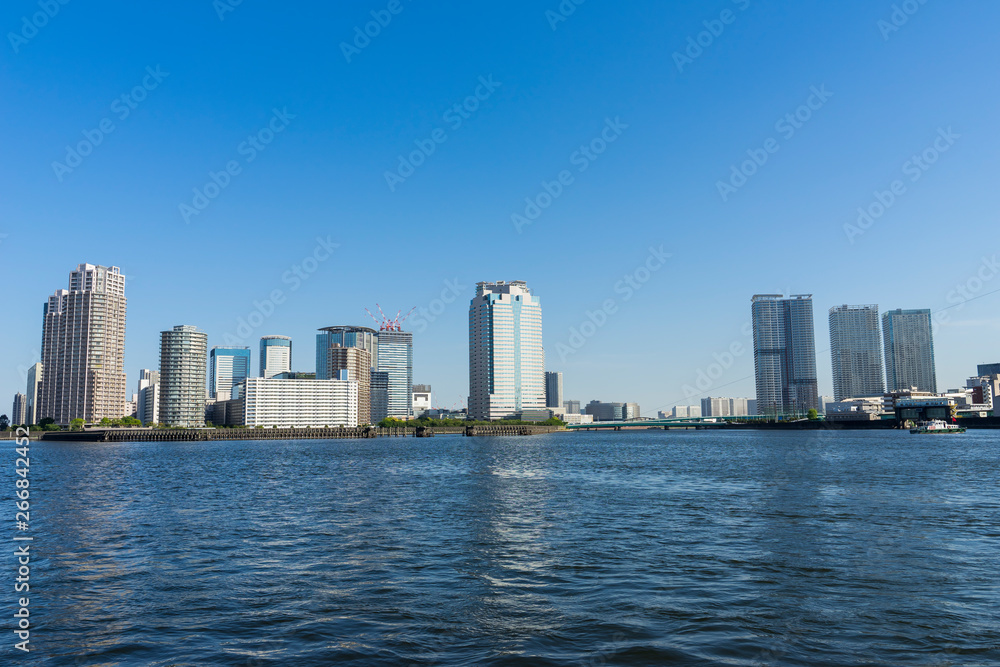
937	426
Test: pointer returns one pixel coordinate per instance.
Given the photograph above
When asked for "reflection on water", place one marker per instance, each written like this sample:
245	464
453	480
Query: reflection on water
730	548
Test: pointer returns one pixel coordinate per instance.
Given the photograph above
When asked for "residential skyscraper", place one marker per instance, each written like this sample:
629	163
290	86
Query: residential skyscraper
395	357
909	350
553	390
784	353
506	358
227	367
275	356
147	408
19	411
34	385
183	355
345	336
83	347
856	352
352	363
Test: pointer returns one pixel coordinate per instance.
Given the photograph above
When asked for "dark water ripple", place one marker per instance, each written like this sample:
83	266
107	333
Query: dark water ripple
651	548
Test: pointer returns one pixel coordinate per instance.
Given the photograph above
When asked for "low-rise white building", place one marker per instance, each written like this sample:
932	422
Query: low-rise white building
571	418
294	403
855	409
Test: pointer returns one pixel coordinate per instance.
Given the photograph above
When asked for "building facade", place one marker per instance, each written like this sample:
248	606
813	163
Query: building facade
147	408
686	411
34	385
19	411
984	370
352	363
345	336
724	407
83	347
227	367
395	358
270	402
784	354
506	358
183	356
572	407
421	399
607	412
380	396
275	356
856	352
909	350
553	390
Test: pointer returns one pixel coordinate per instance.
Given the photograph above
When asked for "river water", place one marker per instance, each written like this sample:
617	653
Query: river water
636	548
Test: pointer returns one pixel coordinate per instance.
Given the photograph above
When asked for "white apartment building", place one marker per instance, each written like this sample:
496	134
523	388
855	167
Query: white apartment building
147	409
83	348
183	357
297	403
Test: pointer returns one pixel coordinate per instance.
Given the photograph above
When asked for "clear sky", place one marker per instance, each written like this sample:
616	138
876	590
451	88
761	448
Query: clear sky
161	97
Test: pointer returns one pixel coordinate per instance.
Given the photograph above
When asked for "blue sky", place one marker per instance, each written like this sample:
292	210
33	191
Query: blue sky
609	70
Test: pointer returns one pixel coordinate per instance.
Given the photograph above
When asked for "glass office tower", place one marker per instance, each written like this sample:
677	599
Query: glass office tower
506	358
275	356
344	336
395	358
227	367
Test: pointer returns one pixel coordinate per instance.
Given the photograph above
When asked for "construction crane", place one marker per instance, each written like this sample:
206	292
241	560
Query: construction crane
395	324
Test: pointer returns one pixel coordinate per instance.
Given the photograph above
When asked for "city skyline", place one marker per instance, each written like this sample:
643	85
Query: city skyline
847	318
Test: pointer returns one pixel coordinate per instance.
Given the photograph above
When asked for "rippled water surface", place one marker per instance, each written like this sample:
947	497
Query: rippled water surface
641	548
